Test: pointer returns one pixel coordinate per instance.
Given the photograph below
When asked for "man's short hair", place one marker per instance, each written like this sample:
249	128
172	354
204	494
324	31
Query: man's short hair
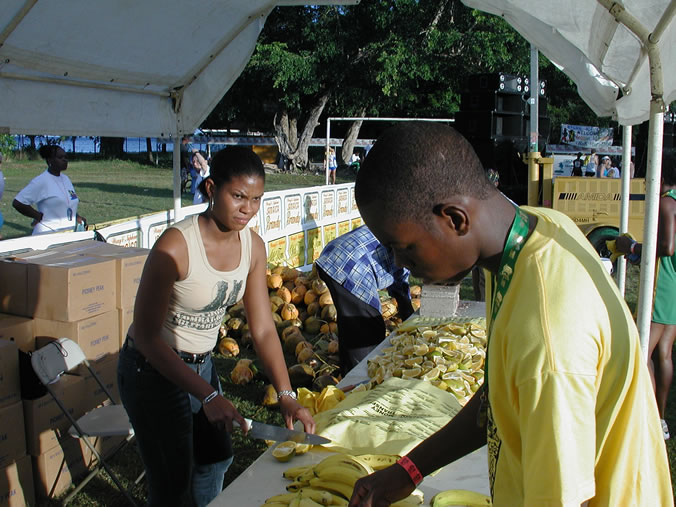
414	166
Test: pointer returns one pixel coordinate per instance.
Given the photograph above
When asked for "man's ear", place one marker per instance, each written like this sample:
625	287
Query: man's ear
455	216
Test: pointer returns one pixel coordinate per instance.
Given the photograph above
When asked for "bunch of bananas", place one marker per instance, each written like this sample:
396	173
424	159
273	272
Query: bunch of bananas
450	355
331	481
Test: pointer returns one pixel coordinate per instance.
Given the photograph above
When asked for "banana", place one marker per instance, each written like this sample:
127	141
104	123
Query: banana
335	487
340	474
275	504
317	495
346	459
460	497
293	472
285	498
295	502
306	476
378	461
295	486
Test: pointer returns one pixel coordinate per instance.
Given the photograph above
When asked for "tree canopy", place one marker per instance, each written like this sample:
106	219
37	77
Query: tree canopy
407	58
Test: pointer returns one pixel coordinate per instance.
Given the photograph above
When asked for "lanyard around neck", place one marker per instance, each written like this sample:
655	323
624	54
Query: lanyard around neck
499	285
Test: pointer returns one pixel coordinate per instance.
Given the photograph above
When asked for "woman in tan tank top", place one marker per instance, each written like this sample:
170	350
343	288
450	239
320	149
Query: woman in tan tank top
165	374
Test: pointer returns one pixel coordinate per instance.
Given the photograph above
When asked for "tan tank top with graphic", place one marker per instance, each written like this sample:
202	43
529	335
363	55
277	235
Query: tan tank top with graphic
197	304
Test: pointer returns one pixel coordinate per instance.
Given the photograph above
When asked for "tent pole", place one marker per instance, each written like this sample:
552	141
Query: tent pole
534	100
652	202
177	177
624	204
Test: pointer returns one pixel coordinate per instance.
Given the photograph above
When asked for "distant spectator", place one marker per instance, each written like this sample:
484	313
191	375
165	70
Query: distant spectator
53	194
187	151
333	165
591	168
604	166
201	167
577	165
613	171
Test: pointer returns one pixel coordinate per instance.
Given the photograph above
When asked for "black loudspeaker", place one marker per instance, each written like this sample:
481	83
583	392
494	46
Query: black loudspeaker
499	81
668	141
491	100
489	124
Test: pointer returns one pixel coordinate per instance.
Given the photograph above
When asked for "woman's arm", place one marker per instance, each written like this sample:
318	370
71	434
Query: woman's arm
265	338
167	263
27	211
666	227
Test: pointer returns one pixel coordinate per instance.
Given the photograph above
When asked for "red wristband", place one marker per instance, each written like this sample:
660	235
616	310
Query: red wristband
411	470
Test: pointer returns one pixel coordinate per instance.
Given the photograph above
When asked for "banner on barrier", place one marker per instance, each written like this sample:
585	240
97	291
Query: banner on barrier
295	225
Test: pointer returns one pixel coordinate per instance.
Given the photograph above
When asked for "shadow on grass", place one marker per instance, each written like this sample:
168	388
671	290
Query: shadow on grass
119	188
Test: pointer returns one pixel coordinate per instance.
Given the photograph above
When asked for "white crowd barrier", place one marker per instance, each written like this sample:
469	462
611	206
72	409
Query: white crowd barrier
295	225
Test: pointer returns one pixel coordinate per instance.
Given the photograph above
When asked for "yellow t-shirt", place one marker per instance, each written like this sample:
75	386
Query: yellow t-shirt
573	415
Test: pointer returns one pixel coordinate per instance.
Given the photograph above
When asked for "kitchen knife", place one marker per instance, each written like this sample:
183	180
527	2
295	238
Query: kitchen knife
279	434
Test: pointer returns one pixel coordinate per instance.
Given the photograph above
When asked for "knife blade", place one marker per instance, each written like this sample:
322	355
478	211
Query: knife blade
277	433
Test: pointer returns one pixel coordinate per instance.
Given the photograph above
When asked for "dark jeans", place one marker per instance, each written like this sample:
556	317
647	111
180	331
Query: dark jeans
162	417
360	326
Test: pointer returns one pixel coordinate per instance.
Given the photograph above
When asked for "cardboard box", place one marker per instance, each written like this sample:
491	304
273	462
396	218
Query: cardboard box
126	317
16	484
55	469
45	422
13	287
97	336
10	384
19	330
58	286
129	263
12	436
106	369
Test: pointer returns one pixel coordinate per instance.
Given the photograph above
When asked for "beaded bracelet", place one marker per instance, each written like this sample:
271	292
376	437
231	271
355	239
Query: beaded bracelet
411	469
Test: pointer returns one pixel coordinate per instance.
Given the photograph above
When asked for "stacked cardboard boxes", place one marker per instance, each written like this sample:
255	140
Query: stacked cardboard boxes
79	291
16	476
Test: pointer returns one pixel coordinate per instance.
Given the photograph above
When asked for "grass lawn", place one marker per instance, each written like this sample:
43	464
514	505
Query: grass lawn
118	189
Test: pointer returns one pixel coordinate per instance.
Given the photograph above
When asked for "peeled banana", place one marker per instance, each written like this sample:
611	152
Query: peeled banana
460	497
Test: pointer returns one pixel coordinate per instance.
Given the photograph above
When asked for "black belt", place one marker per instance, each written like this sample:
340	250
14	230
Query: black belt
187	357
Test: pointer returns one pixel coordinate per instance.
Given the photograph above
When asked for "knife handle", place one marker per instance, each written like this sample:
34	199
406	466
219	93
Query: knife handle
247	421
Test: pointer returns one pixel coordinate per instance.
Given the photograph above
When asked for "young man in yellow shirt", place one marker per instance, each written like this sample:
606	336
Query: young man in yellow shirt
566	407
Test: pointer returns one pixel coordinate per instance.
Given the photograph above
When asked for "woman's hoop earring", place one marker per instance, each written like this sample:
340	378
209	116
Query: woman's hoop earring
211	203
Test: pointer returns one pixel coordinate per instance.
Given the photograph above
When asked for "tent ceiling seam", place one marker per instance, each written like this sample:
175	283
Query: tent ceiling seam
11	26
81	84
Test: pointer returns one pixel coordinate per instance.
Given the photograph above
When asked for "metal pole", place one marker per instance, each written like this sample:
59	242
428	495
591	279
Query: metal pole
624	203
177	176
534	100
652	201
326	153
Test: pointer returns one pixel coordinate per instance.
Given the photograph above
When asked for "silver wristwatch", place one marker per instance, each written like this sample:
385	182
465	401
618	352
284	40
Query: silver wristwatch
287	392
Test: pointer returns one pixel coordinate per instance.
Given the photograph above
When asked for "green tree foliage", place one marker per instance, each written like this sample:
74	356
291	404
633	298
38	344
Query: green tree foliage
406	58
7	144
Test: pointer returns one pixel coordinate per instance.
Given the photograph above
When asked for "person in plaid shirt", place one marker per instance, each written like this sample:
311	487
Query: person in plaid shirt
355	266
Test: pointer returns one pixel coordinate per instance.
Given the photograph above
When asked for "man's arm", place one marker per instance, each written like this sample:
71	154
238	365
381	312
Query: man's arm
458	438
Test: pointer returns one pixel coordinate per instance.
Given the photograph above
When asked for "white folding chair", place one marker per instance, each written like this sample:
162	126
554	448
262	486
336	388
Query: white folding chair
50	363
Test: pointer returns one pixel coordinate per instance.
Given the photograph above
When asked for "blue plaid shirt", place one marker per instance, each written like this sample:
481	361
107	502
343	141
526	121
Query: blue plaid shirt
363	266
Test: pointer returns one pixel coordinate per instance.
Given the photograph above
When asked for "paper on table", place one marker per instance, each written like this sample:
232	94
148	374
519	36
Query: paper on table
391	418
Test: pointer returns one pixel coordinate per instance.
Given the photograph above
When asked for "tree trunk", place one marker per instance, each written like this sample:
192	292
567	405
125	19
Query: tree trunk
112	147
149	150
286	134
350	139
73	138
32	140
299	157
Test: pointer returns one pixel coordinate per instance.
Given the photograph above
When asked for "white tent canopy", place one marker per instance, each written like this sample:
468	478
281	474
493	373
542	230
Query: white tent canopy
606	60
150	68
621	56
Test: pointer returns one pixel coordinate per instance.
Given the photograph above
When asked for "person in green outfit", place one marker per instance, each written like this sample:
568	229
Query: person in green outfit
663	324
